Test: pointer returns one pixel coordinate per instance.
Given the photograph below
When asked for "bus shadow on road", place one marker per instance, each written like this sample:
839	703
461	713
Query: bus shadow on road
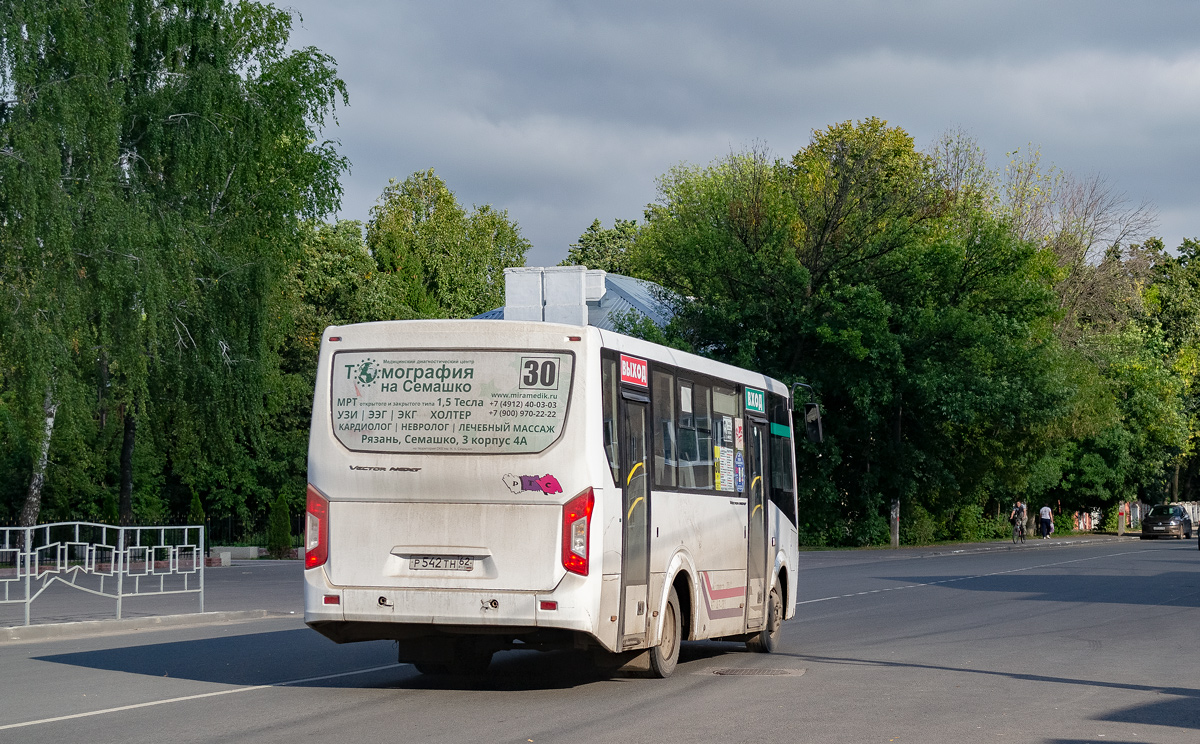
517	671
262	658
294	656
1179	712
1092	589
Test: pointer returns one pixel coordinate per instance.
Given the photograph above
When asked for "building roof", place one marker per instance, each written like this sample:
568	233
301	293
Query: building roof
622	294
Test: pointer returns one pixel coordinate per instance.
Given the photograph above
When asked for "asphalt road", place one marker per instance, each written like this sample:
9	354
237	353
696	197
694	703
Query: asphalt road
1063	644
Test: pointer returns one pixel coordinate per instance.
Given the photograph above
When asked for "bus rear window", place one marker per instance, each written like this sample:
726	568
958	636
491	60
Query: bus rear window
466	401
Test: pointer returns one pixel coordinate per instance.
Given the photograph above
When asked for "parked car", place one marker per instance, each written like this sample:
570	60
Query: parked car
1166	520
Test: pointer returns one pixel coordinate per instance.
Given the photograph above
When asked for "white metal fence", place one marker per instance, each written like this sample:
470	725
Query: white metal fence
114	562
1193	509
1138	510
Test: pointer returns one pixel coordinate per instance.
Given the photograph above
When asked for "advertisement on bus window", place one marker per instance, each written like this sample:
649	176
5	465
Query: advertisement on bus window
469	402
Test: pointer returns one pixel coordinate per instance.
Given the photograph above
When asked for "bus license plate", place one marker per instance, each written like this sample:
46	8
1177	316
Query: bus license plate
442	563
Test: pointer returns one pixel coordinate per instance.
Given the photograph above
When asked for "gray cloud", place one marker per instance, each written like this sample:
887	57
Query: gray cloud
565	112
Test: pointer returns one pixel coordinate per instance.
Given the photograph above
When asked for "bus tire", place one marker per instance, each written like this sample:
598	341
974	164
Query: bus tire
665	655
766	641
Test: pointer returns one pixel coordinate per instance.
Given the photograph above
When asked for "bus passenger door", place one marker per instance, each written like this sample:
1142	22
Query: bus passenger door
635	550
756	558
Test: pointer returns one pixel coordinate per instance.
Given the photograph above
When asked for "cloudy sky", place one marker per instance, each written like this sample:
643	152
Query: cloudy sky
564	112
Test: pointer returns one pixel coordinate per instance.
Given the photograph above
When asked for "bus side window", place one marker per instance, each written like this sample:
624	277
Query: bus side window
689	452
725	401
695	437
610	397
703	467
782	485
662	393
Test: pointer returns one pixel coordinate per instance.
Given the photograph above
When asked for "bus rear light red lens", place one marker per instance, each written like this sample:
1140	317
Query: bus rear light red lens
546	605
333	599
576	528
316	529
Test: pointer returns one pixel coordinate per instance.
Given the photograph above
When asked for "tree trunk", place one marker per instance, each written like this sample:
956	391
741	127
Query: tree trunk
33	500
125	508
101	403
895	522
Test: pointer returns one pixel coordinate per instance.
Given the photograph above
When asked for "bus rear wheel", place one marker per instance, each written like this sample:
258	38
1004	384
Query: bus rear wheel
665	656
766	641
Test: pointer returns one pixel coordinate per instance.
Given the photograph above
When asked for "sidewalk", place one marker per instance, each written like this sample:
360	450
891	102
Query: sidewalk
245	590
89	628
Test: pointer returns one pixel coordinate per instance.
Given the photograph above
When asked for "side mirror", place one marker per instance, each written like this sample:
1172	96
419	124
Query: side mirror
812	423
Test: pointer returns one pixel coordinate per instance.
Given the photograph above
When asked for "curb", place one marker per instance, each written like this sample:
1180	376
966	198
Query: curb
914	552
1030	544
88	628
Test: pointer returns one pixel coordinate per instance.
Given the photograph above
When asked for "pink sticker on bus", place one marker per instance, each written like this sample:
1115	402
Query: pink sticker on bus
545	483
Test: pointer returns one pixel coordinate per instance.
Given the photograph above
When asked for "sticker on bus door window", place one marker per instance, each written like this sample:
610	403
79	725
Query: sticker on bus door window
724	457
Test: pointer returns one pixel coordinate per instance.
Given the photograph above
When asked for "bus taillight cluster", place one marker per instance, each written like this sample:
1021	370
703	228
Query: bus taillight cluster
576	521
316	529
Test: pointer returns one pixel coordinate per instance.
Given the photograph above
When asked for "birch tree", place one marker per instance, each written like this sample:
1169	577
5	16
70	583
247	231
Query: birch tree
156	159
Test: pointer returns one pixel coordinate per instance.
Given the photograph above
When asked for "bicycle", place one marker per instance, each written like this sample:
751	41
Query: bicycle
1018	532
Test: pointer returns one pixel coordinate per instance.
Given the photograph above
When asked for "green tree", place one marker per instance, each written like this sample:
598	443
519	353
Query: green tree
607	249
159	157
922	320
196	511
279	532
333	281
450	263
1172	303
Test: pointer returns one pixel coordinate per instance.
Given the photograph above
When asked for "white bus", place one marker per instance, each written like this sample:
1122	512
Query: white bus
480	485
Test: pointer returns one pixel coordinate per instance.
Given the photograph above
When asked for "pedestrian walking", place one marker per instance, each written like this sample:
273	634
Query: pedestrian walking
1047	519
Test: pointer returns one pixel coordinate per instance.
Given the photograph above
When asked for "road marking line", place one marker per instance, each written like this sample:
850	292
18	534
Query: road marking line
967	578
197	697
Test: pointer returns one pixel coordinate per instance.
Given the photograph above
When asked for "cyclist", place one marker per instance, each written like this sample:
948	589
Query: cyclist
1017	519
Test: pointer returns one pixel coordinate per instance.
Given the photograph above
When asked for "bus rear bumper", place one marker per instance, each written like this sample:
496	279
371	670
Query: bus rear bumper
384	613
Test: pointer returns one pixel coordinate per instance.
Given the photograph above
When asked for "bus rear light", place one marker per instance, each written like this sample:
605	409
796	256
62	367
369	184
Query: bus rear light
548	605
333	599
576	524
316	530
